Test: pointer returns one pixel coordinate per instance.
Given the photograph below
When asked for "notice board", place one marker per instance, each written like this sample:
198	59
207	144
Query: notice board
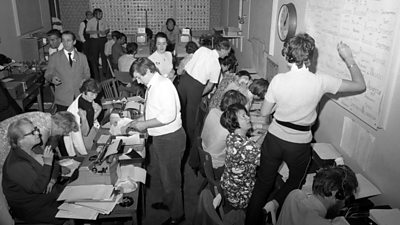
368	27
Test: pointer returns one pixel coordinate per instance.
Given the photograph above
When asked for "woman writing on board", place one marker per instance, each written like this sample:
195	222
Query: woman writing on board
293	96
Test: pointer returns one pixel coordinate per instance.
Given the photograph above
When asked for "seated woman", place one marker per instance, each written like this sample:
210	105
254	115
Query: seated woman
242	157
29	179
259	88
162	58
239	81
214	135
86	111
172	31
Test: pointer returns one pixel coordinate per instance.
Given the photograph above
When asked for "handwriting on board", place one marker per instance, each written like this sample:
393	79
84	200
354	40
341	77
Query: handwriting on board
368	27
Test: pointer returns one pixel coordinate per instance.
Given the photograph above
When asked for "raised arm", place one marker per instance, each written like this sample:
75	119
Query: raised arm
357	83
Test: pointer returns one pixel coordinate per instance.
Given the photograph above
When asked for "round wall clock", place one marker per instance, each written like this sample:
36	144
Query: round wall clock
287	21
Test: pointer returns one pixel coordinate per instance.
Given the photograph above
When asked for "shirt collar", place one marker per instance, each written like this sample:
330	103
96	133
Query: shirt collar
295	68
72	55
154	79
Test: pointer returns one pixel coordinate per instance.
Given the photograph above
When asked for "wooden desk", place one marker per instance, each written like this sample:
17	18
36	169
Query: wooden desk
87	177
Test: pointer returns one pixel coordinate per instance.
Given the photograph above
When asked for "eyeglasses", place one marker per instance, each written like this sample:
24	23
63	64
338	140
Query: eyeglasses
35	129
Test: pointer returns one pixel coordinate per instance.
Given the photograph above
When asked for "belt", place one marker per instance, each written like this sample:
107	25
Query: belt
294	126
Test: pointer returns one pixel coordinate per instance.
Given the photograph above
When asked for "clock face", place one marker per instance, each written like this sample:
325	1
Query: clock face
287	21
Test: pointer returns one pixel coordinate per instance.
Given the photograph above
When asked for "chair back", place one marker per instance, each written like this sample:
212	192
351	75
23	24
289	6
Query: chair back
110	88
206	164
206	214
110	68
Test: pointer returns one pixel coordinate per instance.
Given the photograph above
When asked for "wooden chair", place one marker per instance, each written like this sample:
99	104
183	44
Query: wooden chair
110	68
110	88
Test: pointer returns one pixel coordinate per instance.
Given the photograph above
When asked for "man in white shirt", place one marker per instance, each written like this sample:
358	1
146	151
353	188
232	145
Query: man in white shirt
54	37
200	75
162	119
83	36
98	30
331	186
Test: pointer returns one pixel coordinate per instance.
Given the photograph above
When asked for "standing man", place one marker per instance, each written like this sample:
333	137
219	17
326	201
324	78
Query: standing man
163	123
83	35
200	75
66	70
54	37
98	30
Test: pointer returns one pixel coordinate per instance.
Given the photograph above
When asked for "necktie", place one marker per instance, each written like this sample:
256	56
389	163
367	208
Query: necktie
70	59
97	29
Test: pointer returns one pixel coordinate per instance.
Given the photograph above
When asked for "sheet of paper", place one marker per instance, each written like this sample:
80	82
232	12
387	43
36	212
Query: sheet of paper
112	148
130	140
71	164
385	216
103	139
101	207
86	192
366	188
72	211
326	151
136	99
135	173
7	79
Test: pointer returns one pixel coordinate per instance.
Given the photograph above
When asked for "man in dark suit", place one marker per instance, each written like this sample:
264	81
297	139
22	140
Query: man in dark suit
67	70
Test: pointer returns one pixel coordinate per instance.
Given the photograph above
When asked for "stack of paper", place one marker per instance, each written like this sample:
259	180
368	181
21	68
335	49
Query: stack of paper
385	216
87	201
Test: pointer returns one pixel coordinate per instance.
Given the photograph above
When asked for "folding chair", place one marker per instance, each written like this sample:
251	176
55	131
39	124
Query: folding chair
110	88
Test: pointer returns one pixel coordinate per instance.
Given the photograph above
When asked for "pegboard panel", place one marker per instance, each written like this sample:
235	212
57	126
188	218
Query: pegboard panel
127	15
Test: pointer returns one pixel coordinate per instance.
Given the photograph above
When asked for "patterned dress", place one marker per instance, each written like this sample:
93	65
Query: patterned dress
220	91
238	179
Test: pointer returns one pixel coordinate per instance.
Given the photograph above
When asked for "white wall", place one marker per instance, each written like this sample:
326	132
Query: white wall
384	165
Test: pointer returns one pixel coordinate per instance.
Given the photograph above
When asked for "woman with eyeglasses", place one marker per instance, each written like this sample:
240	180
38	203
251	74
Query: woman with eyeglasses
29	179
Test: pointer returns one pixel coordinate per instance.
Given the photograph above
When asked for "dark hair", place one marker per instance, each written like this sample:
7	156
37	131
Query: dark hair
229	119
115	34
299	49
96	10
243	73
231	97
222	43
170	19
259	87
160	35
66	121
191	47
54	32
141	65
119	35
67	32
88	13
230	60
131	47
14	132
338	178
90	85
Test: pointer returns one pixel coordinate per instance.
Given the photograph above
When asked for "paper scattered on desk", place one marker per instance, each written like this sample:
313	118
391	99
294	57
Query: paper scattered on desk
135	99
86	192
365	188
133	139
72	211
385	216
103	139
326	151
102	207
135	173
71	164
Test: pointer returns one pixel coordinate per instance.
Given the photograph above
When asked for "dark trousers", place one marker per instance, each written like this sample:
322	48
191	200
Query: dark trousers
166	152
97	50
273	151
190	91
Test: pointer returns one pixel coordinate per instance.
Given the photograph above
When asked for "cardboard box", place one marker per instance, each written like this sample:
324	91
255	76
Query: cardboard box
15	89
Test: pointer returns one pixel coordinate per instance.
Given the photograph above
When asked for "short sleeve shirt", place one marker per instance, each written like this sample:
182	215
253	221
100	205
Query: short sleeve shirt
204	65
